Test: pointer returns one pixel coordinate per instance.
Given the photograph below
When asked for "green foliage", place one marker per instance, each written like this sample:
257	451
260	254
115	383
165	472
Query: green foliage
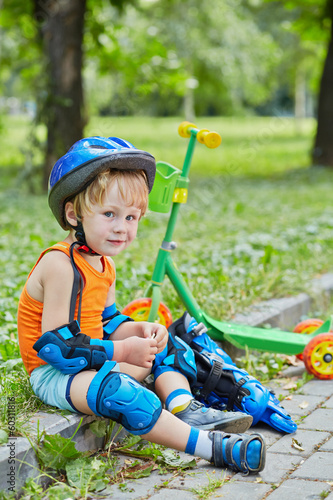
77	475
158	59
87	474
98	427
263	366
56	452
166	458
205	492
149	59
250	146
21	54
21	239
141	57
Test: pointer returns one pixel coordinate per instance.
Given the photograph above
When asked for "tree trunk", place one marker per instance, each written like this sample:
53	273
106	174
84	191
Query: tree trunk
62	23
189	112
322	153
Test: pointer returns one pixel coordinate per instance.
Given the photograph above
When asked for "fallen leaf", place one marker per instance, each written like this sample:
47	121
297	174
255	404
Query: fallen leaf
293	361
288	398
295	444
303	405
290	385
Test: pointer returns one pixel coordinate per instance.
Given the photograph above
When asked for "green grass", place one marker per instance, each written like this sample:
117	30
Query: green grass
255	146
256	226
250	146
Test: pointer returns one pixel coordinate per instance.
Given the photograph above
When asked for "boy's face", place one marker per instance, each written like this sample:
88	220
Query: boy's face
112	227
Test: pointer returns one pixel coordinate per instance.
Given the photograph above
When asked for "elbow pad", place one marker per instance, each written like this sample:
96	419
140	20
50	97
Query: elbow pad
112	318
70	351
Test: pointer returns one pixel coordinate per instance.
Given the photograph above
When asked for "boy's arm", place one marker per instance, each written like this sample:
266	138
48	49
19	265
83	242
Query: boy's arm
71	351
56	280
66	348
122	327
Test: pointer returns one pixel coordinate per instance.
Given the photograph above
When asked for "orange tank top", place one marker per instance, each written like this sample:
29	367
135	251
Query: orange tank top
96	287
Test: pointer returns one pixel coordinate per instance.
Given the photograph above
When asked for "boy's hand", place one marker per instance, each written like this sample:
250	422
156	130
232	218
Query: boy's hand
157	332
139	351
129	329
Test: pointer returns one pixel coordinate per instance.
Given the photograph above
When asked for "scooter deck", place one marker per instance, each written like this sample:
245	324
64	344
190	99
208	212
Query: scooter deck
261	339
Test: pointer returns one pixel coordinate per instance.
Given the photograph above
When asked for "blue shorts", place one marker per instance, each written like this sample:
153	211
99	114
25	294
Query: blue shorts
52	387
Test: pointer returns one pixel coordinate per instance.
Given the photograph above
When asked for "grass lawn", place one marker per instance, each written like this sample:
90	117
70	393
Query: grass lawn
258	223
250	146
255	146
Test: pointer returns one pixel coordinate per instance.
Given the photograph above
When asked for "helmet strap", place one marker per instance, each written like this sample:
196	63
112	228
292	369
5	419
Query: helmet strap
81	240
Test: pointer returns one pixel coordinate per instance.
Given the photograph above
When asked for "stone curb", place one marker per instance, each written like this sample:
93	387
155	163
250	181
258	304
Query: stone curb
282	313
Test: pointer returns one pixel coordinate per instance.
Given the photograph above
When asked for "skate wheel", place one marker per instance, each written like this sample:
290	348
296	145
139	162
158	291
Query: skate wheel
318	356
139	309
307	326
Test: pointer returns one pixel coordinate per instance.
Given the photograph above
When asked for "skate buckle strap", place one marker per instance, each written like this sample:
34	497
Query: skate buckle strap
199	329
233	439
212	380
234	393
229	461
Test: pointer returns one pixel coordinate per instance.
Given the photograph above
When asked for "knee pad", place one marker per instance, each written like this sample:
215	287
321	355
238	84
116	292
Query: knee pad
176	356
120	397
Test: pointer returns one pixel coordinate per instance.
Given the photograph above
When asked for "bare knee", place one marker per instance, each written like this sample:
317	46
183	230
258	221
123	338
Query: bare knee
79	390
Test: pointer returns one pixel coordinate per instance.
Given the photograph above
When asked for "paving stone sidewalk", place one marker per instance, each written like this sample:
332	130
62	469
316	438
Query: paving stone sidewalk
298	466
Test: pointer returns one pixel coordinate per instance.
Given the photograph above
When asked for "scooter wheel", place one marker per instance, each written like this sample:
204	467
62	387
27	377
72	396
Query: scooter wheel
307	326
318	356
139	309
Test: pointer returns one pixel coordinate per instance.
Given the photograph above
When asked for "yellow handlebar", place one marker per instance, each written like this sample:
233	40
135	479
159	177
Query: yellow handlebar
210	139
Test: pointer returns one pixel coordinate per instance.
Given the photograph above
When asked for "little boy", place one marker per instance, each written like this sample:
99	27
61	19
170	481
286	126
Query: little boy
81	353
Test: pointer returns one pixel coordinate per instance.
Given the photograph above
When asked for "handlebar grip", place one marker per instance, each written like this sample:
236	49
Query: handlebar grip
184	127
210	139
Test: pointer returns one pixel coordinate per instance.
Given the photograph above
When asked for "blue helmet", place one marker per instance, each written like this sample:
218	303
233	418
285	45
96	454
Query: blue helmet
74	171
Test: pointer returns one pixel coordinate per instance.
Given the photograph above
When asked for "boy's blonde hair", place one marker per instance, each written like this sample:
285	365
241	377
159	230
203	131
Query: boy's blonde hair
132	185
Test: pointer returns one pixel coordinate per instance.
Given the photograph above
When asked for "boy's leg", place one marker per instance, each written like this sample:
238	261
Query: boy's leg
135	371
171	370
239	452
79	389
81	382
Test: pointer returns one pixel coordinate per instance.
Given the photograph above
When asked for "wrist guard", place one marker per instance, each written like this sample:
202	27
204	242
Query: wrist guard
70	351
112	318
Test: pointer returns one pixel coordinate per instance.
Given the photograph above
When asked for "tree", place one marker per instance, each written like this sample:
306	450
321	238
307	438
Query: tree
61	28
212	59
52	33
313	21
322	153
